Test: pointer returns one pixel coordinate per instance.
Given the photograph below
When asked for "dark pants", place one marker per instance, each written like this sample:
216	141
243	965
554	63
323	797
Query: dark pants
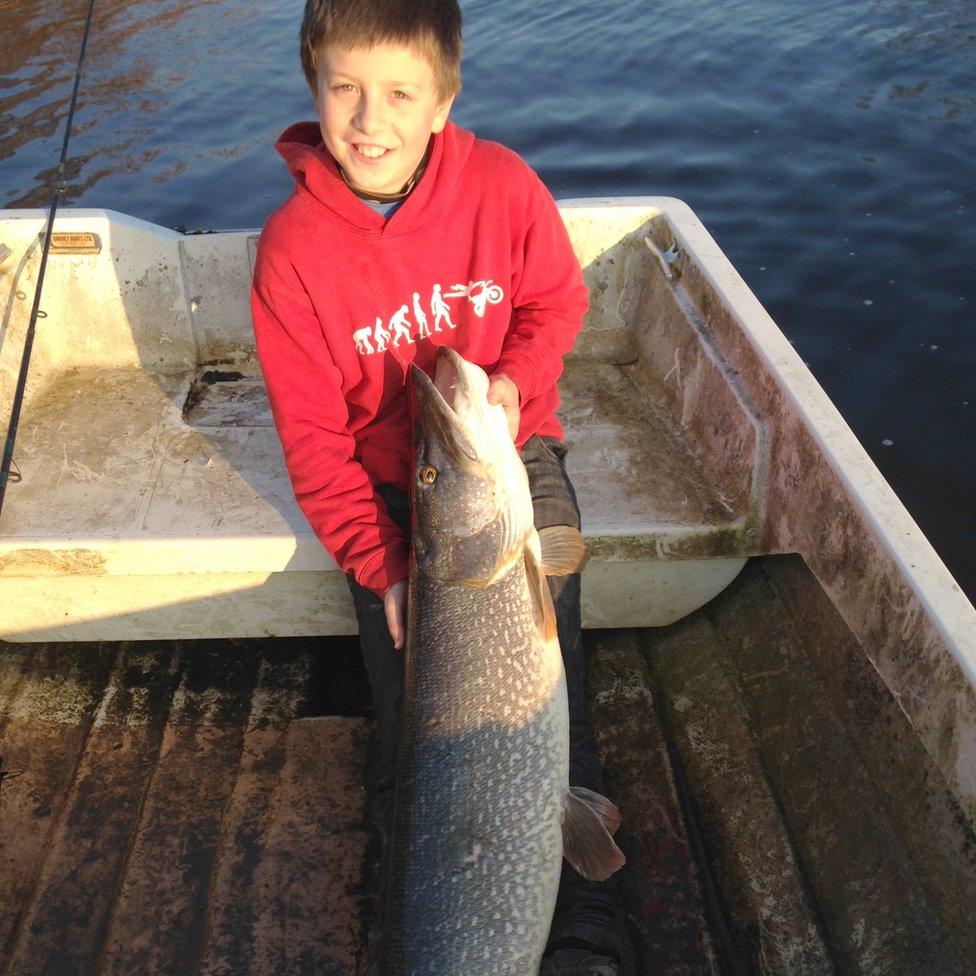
585	909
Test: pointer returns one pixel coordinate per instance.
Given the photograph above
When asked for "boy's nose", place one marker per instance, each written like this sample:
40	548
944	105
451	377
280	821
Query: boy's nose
368	117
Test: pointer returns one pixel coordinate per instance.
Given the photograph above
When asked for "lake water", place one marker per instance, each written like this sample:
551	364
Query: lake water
829	147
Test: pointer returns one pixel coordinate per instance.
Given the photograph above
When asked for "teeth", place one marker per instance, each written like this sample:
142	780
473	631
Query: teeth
371	152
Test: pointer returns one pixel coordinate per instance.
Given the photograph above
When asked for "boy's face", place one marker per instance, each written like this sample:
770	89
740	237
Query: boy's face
377	107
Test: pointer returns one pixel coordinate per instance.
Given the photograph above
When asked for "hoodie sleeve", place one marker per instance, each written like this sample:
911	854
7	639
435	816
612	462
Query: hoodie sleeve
309	409
549	298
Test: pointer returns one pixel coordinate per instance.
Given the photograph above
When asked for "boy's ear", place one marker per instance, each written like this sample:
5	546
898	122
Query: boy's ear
440	116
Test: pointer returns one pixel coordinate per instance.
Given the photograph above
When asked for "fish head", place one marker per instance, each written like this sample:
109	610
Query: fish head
471	508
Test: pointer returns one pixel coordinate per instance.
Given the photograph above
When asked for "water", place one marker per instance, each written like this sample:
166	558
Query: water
828	147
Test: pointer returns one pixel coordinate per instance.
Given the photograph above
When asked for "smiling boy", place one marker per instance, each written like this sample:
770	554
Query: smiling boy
405	233
377	109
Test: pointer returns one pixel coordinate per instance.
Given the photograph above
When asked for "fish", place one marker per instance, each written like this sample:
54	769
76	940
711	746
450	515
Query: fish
483	810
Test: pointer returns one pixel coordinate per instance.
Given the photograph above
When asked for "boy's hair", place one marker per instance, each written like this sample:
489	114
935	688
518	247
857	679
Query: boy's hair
432	27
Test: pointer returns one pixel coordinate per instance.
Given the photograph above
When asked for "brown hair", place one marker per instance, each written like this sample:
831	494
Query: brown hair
431	27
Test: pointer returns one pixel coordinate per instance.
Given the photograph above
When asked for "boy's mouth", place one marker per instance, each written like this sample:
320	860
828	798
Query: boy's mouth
370	153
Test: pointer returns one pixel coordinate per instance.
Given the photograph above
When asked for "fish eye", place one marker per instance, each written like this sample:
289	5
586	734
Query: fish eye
427	475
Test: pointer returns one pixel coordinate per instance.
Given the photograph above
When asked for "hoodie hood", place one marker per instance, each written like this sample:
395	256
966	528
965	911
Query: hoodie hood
319	183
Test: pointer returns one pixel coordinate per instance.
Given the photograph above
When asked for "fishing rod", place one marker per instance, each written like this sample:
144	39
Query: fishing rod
59	188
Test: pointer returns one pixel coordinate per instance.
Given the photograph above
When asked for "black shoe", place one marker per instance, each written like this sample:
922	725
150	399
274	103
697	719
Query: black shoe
579	962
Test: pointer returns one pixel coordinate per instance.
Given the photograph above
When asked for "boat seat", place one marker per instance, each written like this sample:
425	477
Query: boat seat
154	502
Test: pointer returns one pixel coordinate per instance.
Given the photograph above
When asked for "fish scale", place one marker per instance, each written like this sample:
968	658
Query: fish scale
508	737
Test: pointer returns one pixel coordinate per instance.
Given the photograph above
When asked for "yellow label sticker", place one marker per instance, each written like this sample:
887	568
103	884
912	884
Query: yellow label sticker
76	242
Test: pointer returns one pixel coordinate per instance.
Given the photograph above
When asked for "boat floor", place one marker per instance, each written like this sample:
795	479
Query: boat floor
198	807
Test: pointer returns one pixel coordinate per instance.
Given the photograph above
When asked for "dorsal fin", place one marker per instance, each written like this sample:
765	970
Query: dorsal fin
563	550
541	598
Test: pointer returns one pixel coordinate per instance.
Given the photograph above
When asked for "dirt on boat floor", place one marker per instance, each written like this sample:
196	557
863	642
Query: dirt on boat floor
198	807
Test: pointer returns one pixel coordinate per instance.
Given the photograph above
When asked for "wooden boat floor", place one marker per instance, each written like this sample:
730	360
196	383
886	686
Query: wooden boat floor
194	808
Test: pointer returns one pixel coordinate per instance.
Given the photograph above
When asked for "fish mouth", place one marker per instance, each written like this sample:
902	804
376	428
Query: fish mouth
433	399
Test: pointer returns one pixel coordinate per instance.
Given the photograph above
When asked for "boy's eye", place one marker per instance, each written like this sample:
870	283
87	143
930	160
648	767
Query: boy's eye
401	96
343	87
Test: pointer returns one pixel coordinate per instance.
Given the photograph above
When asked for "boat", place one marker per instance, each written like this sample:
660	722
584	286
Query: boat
782	671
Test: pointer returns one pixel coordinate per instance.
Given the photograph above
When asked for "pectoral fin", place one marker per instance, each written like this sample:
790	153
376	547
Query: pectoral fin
545	612
587	843
563	550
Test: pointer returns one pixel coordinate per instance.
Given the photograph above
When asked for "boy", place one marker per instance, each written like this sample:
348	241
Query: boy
405	233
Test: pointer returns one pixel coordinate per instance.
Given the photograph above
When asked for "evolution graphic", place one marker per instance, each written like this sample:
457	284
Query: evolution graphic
401	328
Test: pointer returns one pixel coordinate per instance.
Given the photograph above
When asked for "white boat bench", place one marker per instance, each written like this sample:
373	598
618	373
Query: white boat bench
154	501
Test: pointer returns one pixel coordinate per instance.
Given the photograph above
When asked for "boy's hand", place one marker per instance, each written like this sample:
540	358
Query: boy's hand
503	389
395	605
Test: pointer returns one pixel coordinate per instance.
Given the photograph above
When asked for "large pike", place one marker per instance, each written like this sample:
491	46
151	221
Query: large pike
483	807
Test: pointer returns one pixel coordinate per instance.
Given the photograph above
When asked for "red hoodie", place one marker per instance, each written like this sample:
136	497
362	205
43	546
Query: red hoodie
476	257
